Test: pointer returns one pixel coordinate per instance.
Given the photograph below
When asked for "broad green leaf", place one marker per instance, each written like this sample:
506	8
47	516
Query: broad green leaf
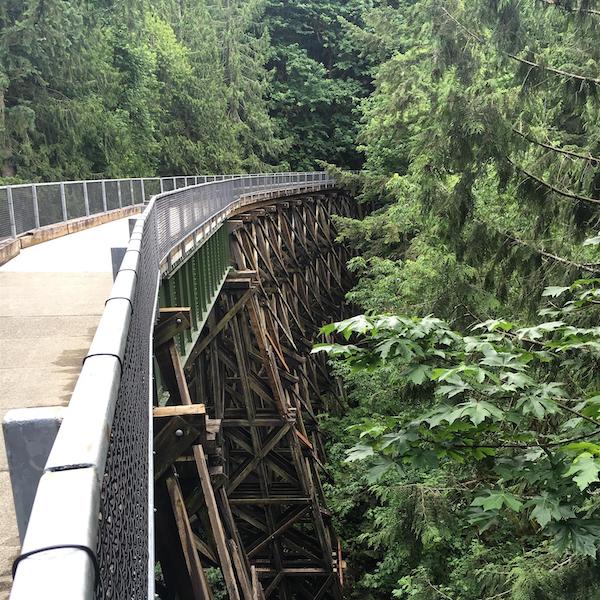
584	470
379	469
476	411
583	446
495	500
417	374
547	508
553	291
538	407
336	349
359	452
580	536
591	407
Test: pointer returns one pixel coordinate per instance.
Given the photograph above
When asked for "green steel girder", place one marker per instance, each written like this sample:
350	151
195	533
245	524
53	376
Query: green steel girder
197	283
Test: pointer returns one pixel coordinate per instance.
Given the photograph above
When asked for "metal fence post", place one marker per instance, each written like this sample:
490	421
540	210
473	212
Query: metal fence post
86	199
162	185
143	191
104	207
131	192
36	206
11	212
63	201
119	193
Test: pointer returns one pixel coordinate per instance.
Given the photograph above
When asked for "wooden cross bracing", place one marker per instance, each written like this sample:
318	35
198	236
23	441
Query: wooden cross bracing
249	474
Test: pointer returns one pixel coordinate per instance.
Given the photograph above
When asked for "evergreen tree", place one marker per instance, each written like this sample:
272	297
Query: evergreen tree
319	79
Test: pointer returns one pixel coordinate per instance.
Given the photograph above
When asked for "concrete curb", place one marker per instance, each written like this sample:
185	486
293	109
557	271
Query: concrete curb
11	248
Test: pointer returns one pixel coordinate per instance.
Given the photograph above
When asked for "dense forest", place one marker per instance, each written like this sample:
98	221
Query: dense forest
105	88
464	450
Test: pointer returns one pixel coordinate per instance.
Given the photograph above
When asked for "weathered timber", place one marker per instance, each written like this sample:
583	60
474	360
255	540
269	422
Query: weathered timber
252	368
198	579
171	322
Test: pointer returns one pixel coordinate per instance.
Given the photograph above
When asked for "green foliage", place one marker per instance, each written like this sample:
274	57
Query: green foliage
131	89
497	427
319	79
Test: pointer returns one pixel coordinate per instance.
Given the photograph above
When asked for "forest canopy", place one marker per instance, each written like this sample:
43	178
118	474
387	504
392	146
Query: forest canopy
118	88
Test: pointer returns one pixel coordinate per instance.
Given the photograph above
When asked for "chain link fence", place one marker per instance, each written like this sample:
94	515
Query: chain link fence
90	532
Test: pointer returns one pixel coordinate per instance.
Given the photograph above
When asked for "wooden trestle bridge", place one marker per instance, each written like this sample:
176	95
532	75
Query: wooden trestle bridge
188	464
238	455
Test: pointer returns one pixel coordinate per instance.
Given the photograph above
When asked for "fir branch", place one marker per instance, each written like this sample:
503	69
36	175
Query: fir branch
589	267
578	9
532	64
593	159
552	188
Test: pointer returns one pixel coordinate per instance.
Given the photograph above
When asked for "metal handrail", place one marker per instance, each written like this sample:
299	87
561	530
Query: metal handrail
28	206
65	514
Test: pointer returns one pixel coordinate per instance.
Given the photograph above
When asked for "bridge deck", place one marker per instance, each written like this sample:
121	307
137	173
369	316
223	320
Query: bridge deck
52	297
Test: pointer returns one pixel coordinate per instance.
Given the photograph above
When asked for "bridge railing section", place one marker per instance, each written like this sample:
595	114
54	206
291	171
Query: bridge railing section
25	207
90	533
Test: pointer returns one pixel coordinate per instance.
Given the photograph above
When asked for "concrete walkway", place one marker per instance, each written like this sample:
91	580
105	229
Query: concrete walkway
51	299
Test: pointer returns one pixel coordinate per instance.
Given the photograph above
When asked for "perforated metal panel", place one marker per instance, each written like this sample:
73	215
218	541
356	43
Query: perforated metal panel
126	196
5	230
95	200
123	534
75	200
49	204
25	217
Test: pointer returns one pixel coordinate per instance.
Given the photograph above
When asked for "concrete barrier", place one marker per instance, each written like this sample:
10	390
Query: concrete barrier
51	232
9	249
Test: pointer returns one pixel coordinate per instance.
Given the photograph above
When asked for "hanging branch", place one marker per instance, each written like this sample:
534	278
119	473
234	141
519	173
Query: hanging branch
524	61
589	11
593	159
589	267
549	186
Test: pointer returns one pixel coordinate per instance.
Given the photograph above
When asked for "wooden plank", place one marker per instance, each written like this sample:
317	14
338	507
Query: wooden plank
241	571
181	383
199	582
304	440
168	547
178	411
269	501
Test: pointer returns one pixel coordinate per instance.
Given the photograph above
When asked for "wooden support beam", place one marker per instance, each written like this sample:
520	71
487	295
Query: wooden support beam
171	322
189	410
261	501
283	526
169	551
217	526
205	549
198	579
203	343
173	440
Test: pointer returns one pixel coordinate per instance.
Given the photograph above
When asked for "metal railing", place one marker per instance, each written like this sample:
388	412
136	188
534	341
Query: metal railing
90	532
29	206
